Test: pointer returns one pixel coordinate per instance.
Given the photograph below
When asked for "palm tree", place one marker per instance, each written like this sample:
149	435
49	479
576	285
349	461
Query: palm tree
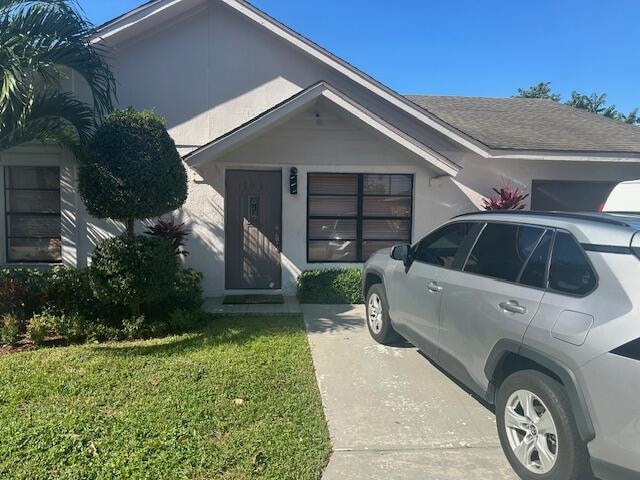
41	43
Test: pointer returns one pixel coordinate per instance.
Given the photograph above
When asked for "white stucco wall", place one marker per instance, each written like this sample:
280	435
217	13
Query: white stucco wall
210	70
338	143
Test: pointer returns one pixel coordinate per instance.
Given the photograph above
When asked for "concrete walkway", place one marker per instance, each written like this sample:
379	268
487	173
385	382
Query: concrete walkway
392	415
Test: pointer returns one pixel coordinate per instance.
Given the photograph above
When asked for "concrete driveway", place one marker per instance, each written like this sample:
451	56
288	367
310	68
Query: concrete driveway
391	413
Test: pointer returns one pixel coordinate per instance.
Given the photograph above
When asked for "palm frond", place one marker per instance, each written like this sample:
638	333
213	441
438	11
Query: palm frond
53	38
63	5
41	42
53	116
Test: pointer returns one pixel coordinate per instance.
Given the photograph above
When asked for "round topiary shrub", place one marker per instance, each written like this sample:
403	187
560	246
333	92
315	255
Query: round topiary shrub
131	169
133	270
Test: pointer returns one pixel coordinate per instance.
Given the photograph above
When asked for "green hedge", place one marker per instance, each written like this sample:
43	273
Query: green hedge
334	285
133	270
22	291
186	295
66	293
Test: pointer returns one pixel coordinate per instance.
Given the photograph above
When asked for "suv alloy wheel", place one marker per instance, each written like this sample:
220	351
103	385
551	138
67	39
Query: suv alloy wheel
537	429
378	321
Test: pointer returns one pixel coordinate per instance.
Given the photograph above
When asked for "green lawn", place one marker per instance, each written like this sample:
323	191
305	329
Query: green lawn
237	400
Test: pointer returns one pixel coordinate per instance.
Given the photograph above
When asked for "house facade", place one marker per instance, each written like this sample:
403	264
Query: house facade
296	159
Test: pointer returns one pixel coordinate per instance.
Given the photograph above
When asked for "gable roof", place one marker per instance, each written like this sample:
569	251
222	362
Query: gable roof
492	128
162	8
296	103
532	124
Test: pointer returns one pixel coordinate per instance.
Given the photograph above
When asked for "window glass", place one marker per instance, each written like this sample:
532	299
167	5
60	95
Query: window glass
343	206
381	206
386	230
32	209
502	250
535	271
334	229
332	251
440	247
360	213
387	184
333	183
570	271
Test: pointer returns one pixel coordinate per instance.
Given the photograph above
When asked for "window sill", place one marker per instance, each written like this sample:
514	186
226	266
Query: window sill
29	264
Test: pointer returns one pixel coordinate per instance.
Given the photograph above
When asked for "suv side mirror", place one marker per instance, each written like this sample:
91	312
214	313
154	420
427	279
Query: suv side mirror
401	253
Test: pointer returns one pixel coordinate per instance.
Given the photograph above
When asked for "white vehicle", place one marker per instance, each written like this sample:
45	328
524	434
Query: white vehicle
625	197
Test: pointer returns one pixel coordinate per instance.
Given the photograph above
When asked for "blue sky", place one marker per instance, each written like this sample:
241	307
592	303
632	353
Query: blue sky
468	47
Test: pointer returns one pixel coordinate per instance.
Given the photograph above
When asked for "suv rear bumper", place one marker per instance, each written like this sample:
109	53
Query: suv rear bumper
610	384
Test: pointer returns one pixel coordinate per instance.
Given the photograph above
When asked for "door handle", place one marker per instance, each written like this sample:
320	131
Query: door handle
433	287
513	307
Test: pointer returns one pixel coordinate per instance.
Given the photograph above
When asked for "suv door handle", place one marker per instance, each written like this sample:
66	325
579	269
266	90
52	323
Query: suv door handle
513	307
433	287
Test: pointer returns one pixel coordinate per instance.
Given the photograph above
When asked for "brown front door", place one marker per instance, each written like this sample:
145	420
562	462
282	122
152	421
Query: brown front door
253	224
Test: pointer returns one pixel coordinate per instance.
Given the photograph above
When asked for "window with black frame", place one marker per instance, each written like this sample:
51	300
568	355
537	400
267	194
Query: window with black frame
32	214
351	215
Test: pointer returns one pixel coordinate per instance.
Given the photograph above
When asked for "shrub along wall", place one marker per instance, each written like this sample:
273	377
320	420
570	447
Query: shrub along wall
334	285
61	302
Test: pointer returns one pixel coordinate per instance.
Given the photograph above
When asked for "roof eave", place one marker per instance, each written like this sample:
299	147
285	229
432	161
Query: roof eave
564	155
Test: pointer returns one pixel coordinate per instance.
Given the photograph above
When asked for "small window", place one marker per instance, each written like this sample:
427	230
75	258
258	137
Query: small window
570	270
441	247
535	271
32	214
502	250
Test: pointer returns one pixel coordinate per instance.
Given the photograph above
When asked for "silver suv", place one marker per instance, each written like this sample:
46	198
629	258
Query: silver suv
538	314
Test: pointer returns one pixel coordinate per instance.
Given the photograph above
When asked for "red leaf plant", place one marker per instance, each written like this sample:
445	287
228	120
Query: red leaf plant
175	233
506	198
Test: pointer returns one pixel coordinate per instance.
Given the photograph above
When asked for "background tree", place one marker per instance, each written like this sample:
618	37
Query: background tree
131	169
594	103
541	90
41	43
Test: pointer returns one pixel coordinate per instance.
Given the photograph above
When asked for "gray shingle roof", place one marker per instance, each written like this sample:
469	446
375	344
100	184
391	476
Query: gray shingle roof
531	124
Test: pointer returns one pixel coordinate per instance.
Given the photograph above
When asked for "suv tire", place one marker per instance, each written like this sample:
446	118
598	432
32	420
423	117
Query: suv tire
537	430
377	313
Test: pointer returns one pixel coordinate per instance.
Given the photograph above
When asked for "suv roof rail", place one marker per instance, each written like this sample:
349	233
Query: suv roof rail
592	217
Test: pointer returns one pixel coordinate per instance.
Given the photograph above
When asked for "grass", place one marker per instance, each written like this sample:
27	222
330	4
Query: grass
237	400
253	299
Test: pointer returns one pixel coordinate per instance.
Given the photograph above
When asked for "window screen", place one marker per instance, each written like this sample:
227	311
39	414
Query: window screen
440	247
352	215
502	250
570	271
32	214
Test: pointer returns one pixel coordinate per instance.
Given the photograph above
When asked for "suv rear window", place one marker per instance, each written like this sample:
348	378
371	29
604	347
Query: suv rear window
570	270
440	247
502	250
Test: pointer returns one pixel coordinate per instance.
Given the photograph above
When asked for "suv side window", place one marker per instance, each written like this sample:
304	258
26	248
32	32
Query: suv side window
570	270
502	250
440	247
535	272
